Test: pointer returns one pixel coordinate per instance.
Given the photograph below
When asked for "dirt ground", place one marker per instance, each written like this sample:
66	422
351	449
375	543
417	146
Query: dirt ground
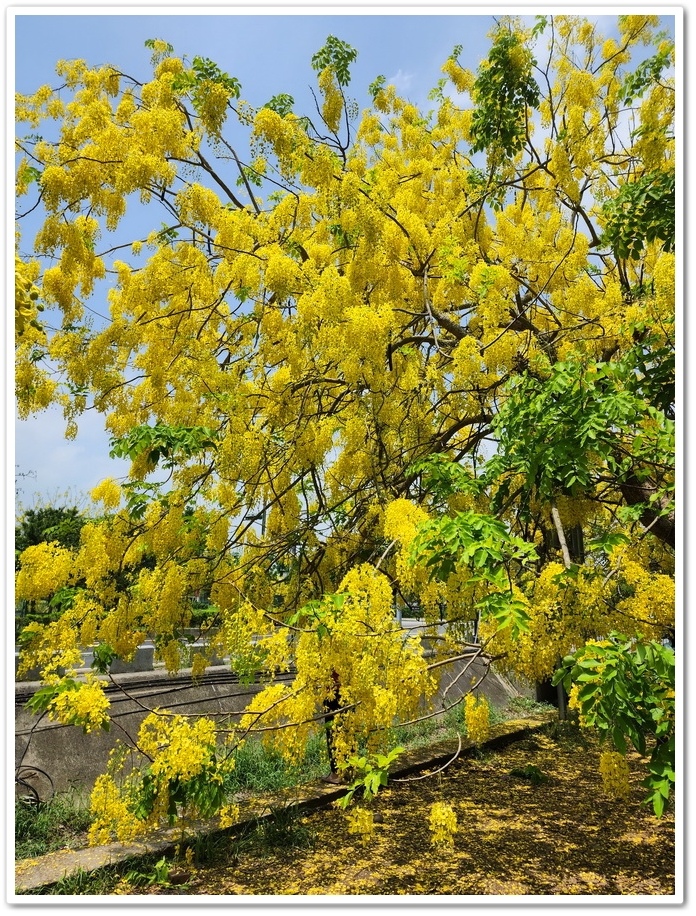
555	835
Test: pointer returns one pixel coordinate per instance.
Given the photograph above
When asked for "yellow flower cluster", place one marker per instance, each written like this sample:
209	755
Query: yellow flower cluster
161	596
333	100
199	665
179	748
86	706
107	492
477	714
380	674
304	327
111	815
44	569
443	825
50	647
574	703
401	520
362	822
463	79
466	362
281	132
26	295
613	769
229	815
562	614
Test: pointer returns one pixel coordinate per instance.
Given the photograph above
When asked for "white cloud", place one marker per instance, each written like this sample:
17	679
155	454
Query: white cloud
401	81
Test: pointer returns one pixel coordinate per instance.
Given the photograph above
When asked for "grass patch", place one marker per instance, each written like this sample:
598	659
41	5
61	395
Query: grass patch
527	706
450	724
283	829
261	769
60	823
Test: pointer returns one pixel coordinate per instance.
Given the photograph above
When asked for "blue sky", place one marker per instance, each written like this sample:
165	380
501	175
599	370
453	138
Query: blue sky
269	52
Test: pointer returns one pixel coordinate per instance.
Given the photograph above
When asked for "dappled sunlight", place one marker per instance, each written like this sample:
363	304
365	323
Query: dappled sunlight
558	837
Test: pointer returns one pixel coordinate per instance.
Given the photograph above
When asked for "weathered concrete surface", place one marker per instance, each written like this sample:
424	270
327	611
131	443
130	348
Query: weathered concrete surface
73	759
44	871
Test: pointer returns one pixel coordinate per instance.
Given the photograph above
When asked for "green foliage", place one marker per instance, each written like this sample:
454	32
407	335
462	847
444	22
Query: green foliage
607	541
159	48
626	692
643	211
484	545
281	104
29	175
49	523
370	774
644	76
376	86
540	24
203	792
336	54
205	70
503	90
479	541
104	655
139	495
443	478
319	614
560	433
157	874
172	443
249	175
42	699
64	598
648	371
283	829
167	234
531	773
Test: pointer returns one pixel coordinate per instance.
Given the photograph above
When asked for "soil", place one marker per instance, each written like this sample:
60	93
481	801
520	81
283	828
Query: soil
555	833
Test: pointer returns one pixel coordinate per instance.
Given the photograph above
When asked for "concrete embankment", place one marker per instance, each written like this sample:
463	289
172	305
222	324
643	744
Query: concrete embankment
71	758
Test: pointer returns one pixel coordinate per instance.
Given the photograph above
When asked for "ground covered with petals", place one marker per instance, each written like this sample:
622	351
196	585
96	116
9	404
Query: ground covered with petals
532	819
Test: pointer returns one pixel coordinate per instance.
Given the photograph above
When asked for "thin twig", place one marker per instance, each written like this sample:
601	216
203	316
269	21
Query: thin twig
434	772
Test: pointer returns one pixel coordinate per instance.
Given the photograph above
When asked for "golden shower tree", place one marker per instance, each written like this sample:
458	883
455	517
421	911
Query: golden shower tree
358	362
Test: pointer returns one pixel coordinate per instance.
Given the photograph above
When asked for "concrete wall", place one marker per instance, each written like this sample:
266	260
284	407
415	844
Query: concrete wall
74	759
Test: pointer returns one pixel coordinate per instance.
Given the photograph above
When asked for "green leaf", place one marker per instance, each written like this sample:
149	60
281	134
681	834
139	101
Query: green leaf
658	804
376	86
338	55
281	104
619	739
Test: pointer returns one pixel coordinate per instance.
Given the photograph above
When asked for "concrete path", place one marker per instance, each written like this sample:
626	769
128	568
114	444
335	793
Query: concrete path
48	870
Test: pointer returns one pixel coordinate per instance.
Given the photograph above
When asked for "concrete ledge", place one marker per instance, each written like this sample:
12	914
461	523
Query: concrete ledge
73	759
46	871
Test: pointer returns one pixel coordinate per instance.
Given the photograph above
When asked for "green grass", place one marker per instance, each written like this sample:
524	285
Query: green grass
451	723
527	706
261	769
48	826
282	829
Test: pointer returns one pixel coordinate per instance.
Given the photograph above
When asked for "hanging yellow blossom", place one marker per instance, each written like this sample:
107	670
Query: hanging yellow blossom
443	825
476	718
613	769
